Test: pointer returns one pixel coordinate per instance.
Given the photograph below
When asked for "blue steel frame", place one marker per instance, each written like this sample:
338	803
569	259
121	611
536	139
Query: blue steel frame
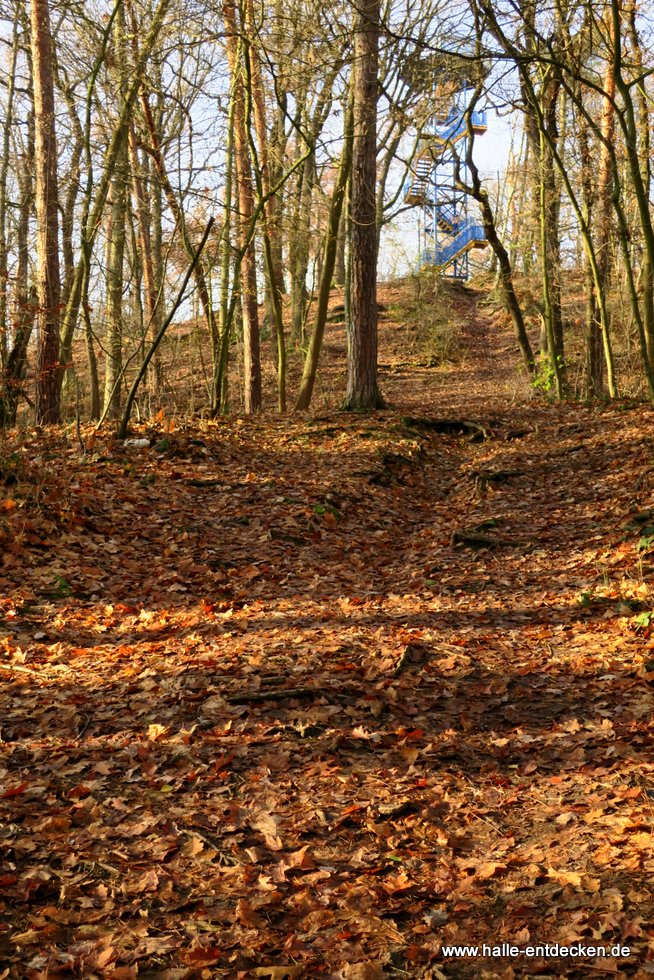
447	233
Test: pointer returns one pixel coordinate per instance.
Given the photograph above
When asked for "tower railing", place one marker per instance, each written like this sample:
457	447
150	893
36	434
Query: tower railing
449	234
455	127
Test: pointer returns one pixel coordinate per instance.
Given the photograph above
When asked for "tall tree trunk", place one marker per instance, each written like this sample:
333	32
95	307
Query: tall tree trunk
641	190
25	302
255	106
550	294
540	105
362	387
155	202
220	350
251	347
594	375
4	171
604	220
116	245
644	141
13	357
48	400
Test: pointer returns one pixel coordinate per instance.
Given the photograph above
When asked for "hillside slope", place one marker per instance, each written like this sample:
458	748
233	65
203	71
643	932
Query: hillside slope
314	697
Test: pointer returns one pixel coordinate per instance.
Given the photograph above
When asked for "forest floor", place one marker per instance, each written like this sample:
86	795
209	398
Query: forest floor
317	697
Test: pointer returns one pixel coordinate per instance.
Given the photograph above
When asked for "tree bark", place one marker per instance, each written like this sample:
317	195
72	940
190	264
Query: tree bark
251	344
48	399
4	171
116	244
362	387
114	303
260	166
641	190
644	139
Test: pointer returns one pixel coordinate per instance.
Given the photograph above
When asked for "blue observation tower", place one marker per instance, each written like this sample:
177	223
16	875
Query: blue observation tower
447	233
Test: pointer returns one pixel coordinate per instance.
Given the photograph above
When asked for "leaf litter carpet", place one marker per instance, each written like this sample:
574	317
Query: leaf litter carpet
317	697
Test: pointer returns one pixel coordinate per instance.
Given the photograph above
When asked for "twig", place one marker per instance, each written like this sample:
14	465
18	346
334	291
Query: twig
77	423
22	670
257	696
122	431
641	479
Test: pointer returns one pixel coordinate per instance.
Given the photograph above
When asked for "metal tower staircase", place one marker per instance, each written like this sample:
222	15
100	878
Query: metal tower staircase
447	232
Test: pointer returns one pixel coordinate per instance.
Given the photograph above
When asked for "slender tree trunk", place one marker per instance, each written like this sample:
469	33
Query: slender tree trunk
339	265
251	345
124	422
551	253
624	236
546	273
13	357
644	146
624	239
25	301
114	304
4	170
155	203
549	142
604	207
93	205
383	171
70	198
300	247
144	220
540	106
220	351
362	387
594	376
48	401
330	250
641	191
300	232
476	191
116	245
276	163
91	357
347	288
261	168
199	272
518	219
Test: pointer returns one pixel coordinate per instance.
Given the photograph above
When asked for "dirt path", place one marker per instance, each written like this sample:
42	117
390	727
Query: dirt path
272	711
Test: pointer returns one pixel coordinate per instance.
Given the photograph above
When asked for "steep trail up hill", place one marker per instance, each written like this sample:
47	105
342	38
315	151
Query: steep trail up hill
318	697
